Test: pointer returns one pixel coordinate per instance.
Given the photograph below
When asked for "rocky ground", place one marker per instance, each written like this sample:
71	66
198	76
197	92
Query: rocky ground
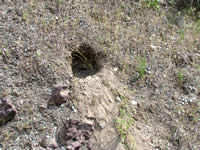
99	75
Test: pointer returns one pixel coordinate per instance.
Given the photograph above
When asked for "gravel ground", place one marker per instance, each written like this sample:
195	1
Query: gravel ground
104	58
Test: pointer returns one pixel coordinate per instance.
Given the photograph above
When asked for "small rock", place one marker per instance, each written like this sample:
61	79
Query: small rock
15	92
134	102
7	111
59	95
42	107
118	99
115	69
153	47
110	100
43	143
53	144
158	148
102	124
89	77
74	109
148	70
138	127
188	89
89	121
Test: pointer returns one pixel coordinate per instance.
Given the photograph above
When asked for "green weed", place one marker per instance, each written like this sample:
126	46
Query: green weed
155	4
141	66
180	77
181	33
124	121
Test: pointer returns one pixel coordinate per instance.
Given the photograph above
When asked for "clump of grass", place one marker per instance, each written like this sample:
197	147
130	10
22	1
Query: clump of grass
155	4
141	66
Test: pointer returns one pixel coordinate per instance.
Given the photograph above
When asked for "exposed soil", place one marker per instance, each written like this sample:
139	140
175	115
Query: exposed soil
81	61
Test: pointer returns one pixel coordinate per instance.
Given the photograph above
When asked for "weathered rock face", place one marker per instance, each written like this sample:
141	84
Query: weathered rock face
74	134
7	111
59	95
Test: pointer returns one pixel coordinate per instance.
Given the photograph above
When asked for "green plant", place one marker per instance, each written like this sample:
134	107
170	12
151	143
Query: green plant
181	33
141	66
25	16
122	125
124	121
155	4
197	26
180	78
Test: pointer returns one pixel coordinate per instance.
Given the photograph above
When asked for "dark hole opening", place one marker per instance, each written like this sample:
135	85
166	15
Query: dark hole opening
85	62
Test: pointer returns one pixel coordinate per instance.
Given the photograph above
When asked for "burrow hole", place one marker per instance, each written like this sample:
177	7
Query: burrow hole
86	61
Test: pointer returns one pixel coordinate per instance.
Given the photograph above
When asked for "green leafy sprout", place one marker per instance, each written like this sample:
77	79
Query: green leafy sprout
141	66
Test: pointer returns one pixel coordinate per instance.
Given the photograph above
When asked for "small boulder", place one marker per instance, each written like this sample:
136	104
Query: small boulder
7	111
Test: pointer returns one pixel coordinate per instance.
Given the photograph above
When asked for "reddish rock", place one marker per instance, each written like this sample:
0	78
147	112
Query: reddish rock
74	134
7	111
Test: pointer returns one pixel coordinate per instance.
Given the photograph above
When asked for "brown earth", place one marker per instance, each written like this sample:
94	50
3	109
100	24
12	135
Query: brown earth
97	50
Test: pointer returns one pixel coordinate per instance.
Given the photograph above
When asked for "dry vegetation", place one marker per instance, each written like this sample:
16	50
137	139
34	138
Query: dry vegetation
132	69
